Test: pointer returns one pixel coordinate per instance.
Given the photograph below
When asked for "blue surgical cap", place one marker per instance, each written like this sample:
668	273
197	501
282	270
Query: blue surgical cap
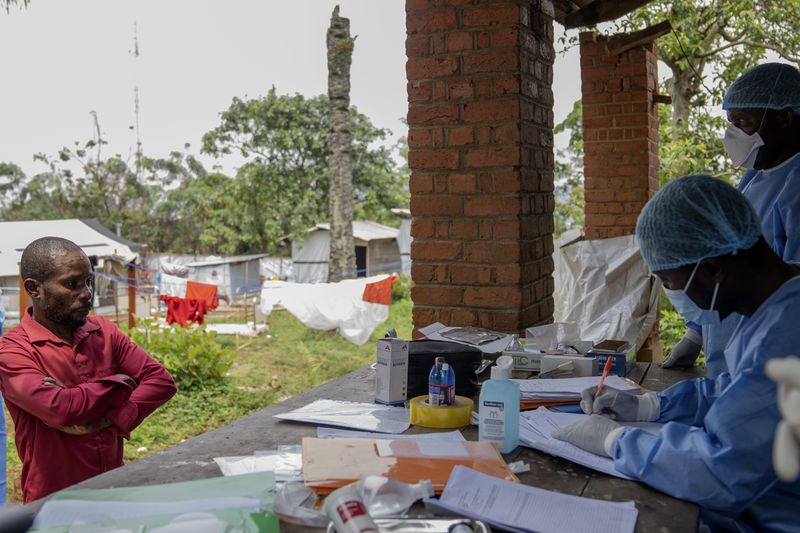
767	86
694	218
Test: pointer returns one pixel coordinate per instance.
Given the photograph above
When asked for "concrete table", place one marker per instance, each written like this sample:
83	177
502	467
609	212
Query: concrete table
193	459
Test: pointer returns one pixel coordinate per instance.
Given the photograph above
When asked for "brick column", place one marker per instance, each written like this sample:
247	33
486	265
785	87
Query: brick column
620	134
480	151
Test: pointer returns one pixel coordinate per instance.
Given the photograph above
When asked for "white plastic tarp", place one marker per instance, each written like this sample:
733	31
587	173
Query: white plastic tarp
605	287
327	306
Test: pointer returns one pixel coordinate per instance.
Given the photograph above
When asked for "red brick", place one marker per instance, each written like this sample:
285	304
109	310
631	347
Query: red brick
422	273
505	85
460	89
493	297
507	181
419	137
459	41
505	38
422	228
432	114
443	230
438	44
435	250
422	316
460	136
462	183
417	45
492	205
437	295
426	159
491	111
464	229
420	182
508	274
431	67
490	16
482	40
507	230
463	317
490	62
420	91
418	5
493	157
493	253
431	21
464	274
436	205
506	134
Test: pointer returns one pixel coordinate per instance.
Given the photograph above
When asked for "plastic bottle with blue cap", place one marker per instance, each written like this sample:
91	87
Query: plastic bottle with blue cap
498	407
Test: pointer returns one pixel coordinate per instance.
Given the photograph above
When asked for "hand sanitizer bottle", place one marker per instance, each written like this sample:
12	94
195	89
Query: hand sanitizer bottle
498	407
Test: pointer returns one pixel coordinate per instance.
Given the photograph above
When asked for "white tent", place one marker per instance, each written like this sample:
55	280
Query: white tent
95	239
404	239
376	245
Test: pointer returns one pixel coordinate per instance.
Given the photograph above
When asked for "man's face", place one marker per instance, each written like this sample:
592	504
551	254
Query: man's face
66	296
770	124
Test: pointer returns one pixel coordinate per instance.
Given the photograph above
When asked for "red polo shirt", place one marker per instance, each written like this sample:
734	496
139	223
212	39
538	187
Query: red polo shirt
52	459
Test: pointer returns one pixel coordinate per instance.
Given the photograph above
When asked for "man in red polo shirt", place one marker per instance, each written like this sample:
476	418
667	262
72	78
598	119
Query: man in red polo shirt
74	384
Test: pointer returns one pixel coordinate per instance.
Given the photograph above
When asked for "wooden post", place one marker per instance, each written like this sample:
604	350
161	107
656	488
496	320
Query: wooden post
23	298
131	296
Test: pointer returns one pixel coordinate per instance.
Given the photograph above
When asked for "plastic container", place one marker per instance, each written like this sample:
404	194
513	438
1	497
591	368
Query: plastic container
384	496
441	383
498	407
347	512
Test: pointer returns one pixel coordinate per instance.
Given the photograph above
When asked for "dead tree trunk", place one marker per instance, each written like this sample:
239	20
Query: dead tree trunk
342	262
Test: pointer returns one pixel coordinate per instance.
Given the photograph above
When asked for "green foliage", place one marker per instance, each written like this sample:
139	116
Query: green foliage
285	141
568	174
671	327
401	290
193	356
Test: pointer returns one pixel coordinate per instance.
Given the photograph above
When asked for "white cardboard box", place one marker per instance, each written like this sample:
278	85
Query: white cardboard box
391	372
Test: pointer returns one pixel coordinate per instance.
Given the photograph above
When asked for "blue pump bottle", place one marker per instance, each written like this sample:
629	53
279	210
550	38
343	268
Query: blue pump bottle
498	407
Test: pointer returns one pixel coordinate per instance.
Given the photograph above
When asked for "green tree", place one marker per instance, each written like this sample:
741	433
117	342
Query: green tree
285	179
569	174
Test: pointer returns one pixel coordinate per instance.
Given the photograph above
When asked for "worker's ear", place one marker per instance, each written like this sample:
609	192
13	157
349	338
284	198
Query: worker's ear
33	288
784	117
714	269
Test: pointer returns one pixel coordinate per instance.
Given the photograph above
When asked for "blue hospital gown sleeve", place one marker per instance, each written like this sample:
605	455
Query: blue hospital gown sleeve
689	401
725	464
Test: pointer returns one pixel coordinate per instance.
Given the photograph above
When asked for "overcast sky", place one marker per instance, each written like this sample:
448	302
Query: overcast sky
60	60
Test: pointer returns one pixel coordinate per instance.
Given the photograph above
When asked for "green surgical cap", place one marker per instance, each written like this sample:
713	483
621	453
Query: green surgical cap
694	218
767	86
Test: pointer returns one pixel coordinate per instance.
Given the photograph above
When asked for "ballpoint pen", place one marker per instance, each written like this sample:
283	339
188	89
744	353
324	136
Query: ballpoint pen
606	370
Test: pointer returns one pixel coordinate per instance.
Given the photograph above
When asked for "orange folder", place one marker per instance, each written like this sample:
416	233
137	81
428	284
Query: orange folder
332	463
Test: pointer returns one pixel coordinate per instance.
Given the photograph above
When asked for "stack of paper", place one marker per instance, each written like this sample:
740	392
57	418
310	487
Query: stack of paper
543	392
524	509
286	463
536	428
352	415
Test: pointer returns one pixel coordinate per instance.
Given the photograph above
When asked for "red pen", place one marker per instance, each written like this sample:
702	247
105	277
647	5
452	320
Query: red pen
606	370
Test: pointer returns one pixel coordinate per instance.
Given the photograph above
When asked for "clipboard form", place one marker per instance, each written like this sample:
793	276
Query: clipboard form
332	463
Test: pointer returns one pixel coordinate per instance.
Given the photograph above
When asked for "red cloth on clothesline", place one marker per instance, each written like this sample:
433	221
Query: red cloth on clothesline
203	291
184	310
379	292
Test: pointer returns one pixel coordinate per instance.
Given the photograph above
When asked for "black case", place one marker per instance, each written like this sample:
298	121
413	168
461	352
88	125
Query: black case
464	359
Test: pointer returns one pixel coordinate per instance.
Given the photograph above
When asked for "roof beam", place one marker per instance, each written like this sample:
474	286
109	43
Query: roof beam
601	11
625	42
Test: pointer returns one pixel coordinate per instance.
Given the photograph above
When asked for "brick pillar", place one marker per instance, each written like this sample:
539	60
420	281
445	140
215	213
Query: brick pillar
480	151
620	135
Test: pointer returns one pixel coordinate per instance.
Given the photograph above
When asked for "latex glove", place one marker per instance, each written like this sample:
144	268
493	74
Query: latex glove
621	405
686	351
786	450
596	434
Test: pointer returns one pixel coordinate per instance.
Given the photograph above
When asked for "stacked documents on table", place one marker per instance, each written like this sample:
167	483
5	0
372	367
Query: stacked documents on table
567	389
352	415
523	509
536	428
286	463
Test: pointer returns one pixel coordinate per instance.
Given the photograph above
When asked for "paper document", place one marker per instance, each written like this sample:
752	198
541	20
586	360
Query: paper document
324	433
544	389
536	428
286	462
363	416
435	332
525	509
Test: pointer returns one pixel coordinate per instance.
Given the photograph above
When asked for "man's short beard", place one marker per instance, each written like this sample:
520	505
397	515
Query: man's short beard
64	319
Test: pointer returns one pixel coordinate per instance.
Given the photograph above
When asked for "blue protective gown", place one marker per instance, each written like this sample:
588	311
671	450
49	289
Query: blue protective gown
775	194
715	447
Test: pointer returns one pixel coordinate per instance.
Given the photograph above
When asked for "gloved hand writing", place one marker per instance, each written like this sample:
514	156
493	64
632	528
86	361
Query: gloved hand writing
596	434
786	450
621	405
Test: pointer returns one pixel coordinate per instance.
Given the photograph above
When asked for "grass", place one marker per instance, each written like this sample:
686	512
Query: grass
292	359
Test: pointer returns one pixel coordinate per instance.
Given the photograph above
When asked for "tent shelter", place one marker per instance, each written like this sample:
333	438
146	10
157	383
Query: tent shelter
95	239
376	245
235	276
404	239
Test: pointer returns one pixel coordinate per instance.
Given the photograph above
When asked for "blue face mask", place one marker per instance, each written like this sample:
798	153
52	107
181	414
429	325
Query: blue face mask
690	310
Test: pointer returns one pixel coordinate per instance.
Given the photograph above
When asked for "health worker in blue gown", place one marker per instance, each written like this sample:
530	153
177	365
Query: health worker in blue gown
763	108
703	239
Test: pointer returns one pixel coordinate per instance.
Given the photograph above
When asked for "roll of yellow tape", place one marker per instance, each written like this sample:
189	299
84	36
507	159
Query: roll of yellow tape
440	416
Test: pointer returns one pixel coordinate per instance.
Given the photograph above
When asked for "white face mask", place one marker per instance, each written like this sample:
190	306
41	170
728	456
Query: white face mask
741	147
690	310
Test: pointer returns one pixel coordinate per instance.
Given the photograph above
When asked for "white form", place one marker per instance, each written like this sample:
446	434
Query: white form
543	389
363	416
521	508
324	433
427	448
536	428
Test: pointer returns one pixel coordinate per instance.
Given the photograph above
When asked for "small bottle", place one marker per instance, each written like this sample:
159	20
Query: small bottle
450	384
384	496
436	383
498	407
347	512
